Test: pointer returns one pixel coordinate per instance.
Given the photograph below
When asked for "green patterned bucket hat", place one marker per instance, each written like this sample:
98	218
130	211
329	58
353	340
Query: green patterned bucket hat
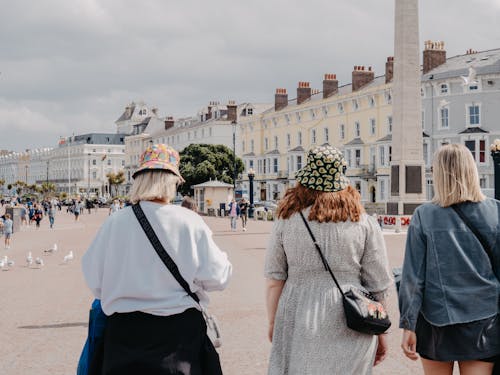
324	170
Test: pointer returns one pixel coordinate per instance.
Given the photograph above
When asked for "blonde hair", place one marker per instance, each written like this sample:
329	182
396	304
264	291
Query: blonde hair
455	176
151	185
325	206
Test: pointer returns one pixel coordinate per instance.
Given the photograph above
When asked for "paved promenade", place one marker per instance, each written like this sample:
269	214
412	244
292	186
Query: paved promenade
44	310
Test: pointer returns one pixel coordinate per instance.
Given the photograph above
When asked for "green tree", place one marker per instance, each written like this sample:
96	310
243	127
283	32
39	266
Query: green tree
47	187
202	162
115	180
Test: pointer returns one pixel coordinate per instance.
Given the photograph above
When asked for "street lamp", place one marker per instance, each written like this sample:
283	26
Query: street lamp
251	176
234	157
88	172
48	162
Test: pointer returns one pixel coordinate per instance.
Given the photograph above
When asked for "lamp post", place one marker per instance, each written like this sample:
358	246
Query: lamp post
234	157
48	162
495	154
251	175
88	178
26	173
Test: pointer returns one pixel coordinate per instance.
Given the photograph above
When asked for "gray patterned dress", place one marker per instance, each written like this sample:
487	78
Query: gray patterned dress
310	333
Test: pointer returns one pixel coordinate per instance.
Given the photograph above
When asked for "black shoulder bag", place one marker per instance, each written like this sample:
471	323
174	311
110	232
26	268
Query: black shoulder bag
362	312
487	249
213	332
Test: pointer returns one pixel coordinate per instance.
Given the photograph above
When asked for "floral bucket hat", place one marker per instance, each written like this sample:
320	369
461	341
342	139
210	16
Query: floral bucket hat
324	170
159	157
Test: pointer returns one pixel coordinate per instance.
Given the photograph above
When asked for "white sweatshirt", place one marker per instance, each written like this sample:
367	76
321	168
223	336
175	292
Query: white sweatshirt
123	270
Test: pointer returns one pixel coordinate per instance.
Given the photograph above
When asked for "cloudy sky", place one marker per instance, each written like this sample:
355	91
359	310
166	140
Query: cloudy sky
72	66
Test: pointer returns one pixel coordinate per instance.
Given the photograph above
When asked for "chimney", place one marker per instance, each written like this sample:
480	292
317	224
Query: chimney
280	99
303	92
330	85
361	77
389	69
232	113
434	55
208	116
169	122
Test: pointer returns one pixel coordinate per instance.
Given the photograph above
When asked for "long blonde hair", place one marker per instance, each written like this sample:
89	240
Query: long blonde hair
455	176
325	206
154	184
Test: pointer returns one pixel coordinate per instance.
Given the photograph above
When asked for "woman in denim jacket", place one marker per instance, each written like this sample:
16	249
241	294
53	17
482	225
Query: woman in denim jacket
449	295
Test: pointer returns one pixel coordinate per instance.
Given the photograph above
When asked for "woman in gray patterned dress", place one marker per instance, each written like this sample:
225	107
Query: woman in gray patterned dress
307	326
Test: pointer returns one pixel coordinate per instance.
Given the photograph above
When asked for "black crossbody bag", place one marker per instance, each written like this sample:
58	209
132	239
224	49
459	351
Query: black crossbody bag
362	312
487	249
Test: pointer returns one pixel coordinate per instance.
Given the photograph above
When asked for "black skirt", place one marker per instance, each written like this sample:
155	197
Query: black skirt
474	341
138	343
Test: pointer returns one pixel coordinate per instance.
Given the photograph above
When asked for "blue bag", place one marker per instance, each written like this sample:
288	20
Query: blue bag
97	323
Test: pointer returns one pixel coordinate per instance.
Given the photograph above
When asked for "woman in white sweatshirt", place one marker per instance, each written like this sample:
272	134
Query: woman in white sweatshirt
154	326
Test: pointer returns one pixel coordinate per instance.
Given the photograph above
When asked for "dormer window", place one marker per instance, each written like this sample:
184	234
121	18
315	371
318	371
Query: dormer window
355	105
313	114
340	107
297	114
372	102
444	88
249	111
388	97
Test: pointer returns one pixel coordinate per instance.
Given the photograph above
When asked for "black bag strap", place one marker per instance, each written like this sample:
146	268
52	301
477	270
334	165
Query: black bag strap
160	250
325	263
478	235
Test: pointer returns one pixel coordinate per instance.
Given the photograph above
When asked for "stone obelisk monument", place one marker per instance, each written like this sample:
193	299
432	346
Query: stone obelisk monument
407	165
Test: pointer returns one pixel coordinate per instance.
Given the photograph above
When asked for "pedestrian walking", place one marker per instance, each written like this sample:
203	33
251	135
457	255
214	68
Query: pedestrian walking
23	213
243	213
115	206
7	230
77	209
51	213
307	324
37	215
160	327
234	213
450	290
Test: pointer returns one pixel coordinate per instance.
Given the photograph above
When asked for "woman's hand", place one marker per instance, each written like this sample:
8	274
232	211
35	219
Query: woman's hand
382	349
409	344
270	331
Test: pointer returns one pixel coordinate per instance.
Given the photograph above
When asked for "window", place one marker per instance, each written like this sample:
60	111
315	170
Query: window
372	102
94	175
482	182
473	87
373	126
299	162
202	133
288	140
249	111
275	165
482	151
444	88
381	154
474	115
94	150
250	164
94	162
340	107
426	153
264	165
471	145
313	136
123	163
275	142
313	114
266	143
299	137
357	157
109	161
388	97
325	110
209	132
251	145
389	124
357	129
275	121
342	131
195	135
287	118
326	136
355	105
443	113
382	190
390	154
348	157
298	116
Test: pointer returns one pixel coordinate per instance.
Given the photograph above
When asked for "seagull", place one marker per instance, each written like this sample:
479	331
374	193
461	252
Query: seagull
471	78
10	263
29	259
69	257
52	249
39	261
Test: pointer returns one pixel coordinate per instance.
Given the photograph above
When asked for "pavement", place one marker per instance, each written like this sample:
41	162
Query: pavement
44	310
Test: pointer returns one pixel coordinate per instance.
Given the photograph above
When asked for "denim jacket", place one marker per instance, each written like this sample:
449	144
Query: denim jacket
447	275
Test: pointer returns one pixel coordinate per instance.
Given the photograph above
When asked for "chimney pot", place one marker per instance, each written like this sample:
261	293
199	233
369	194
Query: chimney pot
280	99
434	55
361	77
232	113
330	85
389	69
169	122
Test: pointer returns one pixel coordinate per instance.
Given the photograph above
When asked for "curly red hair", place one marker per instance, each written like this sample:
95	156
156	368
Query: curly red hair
325	206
